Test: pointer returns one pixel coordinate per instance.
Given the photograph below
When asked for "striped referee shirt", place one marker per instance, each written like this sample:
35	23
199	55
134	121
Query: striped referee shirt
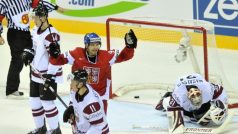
17	12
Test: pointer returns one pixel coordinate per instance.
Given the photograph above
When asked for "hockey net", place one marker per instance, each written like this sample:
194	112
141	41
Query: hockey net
153	69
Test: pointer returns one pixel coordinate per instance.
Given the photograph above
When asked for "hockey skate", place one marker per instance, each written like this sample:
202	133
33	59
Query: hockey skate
55	131
41	130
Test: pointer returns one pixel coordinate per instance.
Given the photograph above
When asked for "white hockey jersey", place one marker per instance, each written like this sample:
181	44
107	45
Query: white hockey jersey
41	42
209	91
89	113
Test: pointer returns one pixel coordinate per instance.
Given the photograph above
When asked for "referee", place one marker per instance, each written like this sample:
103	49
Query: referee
18	36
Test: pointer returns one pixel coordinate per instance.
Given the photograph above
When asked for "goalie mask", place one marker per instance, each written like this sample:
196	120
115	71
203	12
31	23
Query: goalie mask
194	95
90	38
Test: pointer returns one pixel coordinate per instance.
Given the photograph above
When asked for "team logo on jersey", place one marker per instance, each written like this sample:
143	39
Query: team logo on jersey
93	74
95	115
25	19
223	13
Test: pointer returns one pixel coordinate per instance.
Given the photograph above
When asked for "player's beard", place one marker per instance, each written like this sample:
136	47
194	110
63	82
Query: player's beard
197	101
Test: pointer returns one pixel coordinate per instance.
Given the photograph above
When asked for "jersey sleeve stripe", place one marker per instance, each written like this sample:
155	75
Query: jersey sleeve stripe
96	121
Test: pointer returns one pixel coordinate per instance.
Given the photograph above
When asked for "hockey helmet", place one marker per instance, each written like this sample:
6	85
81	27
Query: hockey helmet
91	38
41	10
81	76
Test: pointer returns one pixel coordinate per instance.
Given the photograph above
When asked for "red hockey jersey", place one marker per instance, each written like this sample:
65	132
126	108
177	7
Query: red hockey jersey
100	71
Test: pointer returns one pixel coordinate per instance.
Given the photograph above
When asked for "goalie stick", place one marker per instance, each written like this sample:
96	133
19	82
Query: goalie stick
193	130
190	51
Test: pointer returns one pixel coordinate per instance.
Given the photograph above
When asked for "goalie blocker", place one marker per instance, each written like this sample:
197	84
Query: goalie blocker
202	102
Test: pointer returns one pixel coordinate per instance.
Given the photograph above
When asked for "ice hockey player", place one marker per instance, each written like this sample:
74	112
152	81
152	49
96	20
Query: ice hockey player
86	109
45	41
196	99
98	62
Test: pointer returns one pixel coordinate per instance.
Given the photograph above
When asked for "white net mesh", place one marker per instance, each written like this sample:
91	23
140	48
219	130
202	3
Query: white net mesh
153	65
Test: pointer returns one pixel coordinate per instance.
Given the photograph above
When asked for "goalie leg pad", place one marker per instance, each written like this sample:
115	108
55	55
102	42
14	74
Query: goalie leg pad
176	122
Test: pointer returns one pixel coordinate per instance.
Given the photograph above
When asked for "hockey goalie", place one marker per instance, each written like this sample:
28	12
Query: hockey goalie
195	100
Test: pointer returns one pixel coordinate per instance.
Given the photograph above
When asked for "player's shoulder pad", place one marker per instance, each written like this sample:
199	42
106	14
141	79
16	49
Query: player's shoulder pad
92	108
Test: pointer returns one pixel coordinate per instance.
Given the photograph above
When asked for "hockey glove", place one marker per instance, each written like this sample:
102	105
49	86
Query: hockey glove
69	115
54	50
218	112
130	39
28	56
49	80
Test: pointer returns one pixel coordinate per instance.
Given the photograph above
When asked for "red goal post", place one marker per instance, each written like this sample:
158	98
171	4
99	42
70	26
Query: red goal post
166	36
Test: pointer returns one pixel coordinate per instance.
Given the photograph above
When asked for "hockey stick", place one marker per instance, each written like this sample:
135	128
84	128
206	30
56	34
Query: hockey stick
74	127
44	7
189	48
194	130
51	89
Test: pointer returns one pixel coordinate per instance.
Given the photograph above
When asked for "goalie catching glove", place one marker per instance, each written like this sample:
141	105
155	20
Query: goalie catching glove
218	112
130	39
28	56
